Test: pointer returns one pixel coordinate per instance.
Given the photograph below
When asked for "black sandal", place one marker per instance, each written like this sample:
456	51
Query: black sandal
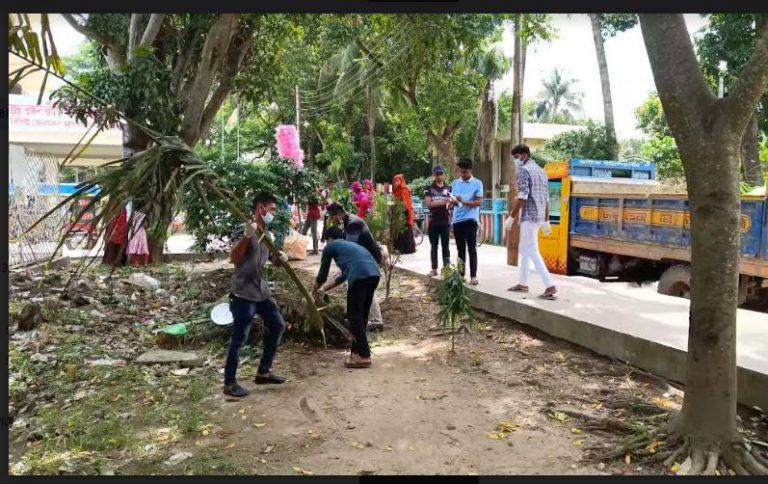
269	378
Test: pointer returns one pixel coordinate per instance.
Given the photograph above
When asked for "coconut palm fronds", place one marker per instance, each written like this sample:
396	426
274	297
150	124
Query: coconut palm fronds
155	181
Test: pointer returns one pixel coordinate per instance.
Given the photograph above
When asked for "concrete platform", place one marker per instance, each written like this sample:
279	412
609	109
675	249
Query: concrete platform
634	325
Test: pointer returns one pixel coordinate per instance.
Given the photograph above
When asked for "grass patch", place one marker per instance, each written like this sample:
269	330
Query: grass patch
19	361
90	426
214	463
196	391
188	419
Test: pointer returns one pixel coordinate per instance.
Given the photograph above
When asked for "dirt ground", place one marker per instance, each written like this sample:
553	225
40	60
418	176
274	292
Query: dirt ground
507	402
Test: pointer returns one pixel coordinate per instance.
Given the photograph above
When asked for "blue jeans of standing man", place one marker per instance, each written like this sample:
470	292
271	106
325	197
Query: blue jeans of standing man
243	312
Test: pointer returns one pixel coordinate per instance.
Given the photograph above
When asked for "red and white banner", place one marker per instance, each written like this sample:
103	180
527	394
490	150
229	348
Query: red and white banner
25	115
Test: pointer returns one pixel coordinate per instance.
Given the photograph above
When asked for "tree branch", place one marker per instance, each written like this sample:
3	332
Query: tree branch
238	49
153	28
681	85
740	104
214	50
116	51
183	61
133	35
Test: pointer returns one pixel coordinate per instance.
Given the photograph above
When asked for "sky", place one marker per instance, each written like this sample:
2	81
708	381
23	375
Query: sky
573	51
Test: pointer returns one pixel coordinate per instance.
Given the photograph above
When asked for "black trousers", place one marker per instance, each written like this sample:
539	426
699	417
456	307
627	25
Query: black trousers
465	234
439	234
359	299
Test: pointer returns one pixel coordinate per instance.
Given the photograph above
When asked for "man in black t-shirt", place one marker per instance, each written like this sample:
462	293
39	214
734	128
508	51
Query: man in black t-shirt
437	197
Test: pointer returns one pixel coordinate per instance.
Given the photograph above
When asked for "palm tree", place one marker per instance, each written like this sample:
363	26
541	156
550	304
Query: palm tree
605	83
492	64
605	26
560	102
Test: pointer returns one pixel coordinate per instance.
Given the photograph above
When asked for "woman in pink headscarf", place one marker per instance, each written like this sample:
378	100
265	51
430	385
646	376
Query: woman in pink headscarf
360	199
368	189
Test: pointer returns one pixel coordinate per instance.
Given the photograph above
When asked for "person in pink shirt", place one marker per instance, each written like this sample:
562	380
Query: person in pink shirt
360	199
368	189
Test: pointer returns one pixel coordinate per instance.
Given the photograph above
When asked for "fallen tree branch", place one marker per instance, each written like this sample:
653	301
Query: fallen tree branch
596	421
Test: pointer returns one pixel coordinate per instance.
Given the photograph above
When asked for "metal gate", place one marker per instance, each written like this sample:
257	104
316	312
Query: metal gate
33	190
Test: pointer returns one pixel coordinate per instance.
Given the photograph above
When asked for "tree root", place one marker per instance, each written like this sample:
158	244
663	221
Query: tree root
633	444
682	450
705	458
755	465
698	460
596	422
713	459
638	406
650	376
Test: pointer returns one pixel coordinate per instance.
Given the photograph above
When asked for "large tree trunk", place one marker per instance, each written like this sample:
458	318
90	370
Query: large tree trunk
134	142
516	138
482	145
156	242
446	151
708	132
751	168
714	202
605	84
709	155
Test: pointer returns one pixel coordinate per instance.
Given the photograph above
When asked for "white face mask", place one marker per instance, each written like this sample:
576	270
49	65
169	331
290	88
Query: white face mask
268	218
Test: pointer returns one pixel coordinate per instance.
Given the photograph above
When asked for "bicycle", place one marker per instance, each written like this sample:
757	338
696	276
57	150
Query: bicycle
478	238
418	235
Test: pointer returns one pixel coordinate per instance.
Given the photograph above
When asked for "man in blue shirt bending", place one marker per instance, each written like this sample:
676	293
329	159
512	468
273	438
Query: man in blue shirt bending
466	199
361	270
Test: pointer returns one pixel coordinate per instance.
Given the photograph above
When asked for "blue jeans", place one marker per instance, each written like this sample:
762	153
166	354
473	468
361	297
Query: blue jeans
243	312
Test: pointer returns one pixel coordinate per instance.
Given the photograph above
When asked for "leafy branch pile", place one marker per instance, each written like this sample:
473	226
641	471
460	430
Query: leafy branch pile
155	180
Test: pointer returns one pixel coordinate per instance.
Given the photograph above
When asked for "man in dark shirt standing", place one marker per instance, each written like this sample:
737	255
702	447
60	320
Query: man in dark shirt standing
437	196
362	273
354	229
250	295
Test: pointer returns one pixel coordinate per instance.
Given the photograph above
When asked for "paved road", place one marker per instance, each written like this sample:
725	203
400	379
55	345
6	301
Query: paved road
640	312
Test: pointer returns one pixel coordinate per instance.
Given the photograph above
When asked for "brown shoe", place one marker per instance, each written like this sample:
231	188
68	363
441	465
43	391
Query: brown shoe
355	361
549	294
518	288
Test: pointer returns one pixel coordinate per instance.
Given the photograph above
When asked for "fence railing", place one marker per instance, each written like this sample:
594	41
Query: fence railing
32	192
493	213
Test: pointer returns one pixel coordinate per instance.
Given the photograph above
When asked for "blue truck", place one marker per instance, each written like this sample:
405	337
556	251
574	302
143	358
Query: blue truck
611	220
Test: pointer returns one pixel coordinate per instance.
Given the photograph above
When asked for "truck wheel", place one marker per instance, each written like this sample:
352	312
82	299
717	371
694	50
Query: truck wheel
676	281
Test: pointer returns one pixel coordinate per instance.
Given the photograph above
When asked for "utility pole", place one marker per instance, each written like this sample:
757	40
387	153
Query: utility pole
296	89
222	135
515	138
298	135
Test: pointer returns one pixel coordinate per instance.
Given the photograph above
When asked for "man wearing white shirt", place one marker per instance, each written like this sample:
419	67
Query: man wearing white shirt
531	211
